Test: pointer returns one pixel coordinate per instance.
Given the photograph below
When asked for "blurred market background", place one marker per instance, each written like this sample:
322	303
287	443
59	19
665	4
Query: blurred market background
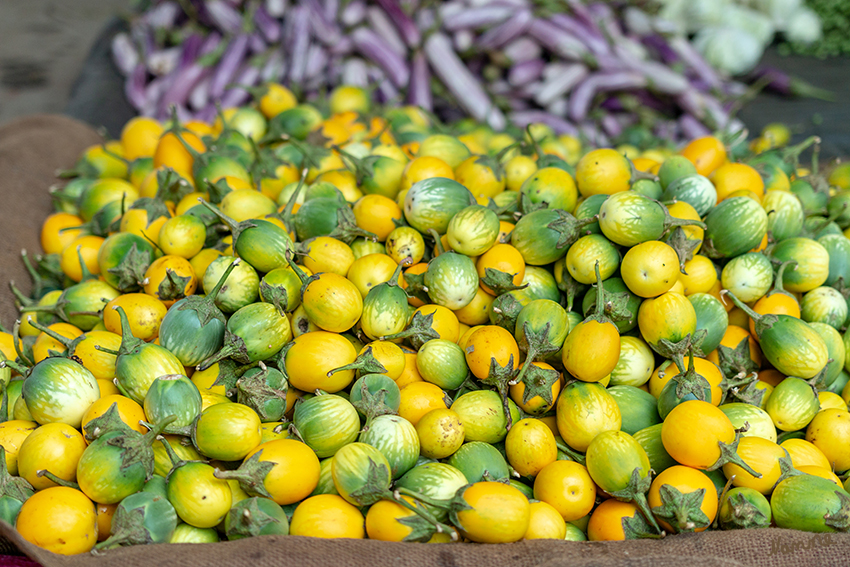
56	57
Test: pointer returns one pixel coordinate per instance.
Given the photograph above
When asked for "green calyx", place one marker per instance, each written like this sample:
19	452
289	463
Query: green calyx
205	306
420	330
375	486
611	308
365	363
689	383
130	272
362	168
742	514
840	518
743	388
173	287
171	186
234	347
255	390
129	343
569	228
677	351
110	421
248	519
176	461
635	492
506	309
729	454
684	247
154	207
251	475
735	363
501	378
500	282
274	294
372	404
13	486
681	510
137	448
538	381
763	323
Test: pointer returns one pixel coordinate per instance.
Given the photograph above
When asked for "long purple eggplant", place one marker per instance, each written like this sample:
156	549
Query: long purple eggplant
582	96
134	88
298	36
274	69
324	29
317	60
526	72
561	82
505	33
460	82
409	31
235	95
225	17
692	128
267	25
124	53
256	43
233	56
199	96
478	17
163	61
463	40
683	48
419	89
355	72
557	40
276	8
163	15
353	13
374	48
781	82
383	26
594	41
522	49
560	60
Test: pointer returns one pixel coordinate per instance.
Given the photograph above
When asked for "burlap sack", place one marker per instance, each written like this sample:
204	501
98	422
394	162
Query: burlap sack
30	152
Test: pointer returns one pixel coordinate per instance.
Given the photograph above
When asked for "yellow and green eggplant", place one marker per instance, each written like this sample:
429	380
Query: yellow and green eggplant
173	398
193	328
139	519
139	363
255	332
255	516
264	245
628	218
59	390
396	439
263	389
117	464
750	222
788	343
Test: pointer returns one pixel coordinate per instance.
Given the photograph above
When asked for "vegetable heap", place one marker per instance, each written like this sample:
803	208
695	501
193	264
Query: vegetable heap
366	323
835	18
733	34
589	68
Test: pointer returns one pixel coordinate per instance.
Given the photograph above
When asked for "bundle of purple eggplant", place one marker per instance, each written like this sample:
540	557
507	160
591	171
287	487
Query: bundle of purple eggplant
584	68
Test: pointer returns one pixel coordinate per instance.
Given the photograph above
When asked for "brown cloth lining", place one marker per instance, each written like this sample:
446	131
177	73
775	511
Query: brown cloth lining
32	149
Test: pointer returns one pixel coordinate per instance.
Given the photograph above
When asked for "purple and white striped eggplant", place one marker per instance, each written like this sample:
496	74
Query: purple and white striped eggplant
585	67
